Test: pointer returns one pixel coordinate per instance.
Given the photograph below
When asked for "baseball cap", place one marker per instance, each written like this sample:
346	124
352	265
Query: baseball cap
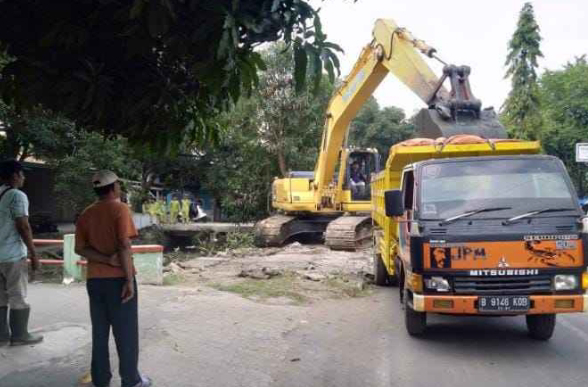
103	178
9	167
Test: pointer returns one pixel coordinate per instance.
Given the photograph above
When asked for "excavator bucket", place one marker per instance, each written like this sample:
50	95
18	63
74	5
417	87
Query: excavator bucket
430	123
458	113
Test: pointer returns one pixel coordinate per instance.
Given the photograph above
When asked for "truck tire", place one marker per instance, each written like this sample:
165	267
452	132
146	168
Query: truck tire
392	280
541	326
415	322
381	277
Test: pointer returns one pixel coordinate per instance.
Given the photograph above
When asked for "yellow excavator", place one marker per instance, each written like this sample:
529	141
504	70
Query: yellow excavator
334	199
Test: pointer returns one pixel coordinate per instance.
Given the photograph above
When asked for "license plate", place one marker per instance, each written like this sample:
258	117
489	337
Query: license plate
504	303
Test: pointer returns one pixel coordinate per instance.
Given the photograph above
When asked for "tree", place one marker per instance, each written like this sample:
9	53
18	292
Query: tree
289	124
521	109
379	128
154	71
89	152
564	102
239	171
37	132
271	132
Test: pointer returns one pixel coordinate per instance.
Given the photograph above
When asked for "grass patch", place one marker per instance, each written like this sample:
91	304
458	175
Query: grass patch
282	286
171	279
347	288
50	274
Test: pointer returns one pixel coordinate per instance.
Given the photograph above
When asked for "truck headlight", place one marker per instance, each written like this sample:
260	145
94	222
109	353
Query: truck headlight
439	284
565	282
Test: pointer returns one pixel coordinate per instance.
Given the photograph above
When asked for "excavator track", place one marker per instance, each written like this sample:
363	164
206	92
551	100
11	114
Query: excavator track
269	231
349	232
276	229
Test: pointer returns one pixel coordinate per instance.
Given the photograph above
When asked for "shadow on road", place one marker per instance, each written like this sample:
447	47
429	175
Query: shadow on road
505	337
479	329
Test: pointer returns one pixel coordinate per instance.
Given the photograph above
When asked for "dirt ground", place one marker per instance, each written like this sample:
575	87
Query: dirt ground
293	274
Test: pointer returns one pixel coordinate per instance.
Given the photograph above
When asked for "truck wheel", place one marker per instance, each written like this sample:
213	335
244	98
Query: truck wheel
392	280
400	276
415	322
380	273
541	326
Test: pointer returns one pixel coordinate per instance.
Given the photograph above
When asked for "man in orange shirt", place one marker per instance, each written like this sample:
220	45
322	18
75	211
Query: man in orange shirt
103	236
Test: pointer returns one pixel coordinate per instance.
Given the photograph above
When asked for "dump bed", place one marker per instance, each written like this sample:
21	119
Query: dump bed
415	150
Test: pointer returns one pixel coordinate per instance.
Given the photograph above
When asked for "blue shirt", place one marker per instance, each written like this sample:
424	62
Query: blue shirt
14	204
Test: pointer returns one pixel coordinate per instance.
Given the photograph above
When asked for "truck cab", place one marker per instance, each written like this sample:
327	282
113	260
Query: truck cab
498	235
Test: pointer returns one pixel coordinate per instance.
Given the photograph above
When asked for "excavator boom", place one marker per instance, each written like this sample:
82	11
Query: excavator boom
392	49
325	201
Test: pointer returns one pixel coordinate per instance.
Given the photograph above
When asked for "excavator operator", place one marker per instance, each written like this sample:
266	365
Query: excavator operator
358	181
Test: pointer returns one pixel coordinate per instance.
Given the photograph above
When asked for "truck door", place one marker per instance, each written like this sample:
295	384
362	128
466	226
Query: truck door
406	221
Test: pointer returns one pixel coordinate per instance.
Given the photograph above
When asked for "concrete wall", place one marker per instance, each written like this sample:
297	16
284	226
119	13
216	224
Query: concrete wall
148	261
143	220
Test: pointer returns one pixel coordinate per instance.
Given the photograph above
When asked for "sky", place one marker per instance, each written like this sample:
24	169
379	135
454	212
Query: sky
473	33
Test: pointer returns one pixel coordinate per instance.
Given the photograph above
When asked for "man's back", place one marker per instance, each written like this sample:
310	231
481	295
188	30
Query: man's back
102	226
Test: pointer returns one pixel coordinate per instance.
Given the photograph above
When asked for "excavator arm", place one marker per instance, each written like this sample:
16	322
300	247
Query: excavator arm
314	204
394	50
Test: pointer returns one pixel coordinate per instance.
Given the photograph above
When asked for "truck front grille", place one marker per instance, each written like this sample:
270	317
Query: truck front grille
502	285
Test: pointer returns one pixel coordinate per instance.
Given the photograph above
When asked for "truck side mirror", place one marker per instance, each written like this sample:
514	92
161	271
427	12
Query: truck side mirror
394	203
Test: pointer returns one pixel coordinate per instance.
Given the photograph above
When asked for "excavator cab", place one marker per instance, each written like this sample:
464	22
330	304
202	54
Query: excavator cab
360	165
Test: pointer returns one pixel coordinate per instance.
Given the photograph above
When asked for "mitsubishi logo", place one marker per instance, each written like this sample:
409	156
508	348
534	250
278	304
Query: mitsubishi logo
502	263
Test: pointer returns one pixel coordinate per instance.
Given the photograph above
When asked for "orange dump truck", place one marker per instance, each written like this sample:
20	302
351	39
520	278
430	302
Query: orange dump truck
469	226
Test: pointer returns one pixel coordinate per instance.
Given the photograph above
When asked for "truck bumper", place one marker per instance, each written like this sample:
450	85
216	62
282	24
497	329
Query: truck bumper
467	304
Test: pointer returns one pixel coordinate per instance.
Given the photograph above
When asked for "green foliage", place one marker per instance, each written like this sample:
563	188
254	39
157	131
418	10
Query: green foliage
521	109
271	132
288	123
37	132
564	102
156	72
281	286
89	152
238	240
379	128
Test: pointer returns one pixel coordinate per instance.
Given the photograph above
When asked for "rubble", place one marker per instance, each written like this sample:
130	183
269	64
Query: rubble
173	268
304	273
263	273
314	276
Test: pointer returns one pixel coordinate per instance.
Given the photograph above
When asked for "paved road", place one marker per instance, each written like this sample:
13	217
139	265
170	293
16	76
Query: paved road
201	337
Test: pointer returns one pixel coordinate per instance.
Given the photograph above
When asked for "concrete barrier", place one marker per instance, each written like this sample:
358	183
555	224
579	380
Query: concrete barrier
149	264
143	221
148	261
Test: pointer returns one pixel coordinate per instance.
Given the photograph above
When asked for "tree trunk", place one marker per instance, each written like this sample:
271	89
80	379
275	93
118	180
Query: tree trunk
282	164
12	145
25	153
145	182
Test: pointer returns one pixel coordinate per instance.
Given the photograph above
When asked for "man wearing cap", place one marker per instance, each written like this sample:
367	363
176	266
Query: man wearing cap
103	236
16	242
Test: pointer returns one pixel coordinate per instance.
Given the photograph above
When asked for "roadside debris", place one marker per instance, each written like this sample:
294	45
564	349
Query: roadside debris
264	273
314	276
299	273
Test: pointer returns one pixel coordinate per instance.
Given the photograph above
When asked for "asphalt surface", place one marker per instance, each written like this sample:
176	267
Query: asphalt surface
202	337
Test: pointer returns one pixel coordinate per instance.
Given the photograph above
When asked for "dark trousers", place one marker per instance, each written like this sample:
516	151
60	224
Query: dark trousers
107	310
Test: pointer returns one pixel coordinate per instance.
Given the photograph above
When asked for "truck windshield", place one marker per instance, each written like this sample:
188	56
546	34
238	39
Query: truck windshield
451	188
